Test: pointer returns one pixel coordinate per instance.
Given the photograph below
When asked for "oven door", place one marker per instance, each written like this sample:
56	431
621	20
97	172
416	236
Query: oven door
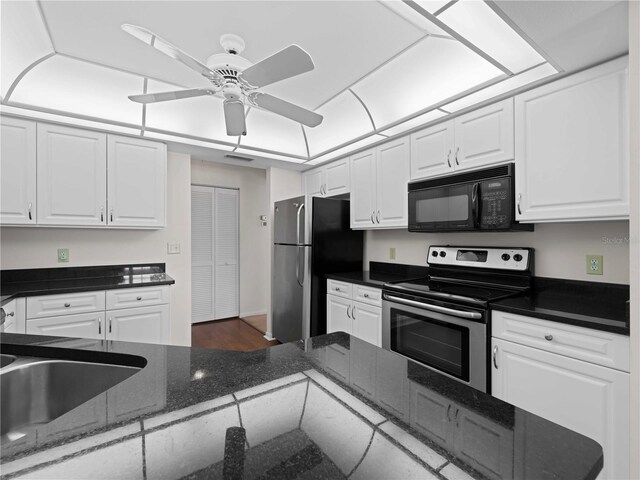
444	208
447	338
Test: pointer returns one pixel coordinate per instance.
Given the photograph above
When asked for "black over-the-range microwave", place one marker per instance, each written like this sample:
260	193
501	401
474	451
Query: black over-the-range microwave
480	200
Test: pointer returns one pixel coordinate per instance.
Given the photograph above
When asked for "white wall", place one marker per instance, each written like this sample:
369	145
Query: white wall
254	238
37	247
283	184
560	249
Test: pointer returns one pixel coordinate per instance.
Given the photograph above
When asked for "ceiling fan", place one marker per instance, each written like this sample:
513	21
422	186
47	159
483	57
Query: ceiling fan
235	78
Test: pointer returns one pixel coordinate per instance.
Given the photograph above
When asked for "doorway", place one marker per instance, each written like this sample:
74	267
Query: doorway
215	278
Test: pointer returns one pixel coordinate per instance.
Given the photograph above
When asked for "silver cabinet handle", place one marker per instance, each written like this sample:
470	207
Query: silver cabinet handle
67	305
519	198
449	158
99	327
548	337
110	321
348	310
366	295
455	416
101	214
448	410
325	188
10	314
30	218
372	220
378	216
111	214
337	289
138	298
456	157
353	312
495	361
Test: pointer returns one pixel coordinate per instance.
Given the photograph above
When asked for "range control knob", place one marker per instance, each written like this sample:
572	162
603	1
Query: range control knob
517	257
434	254
505	256
443	254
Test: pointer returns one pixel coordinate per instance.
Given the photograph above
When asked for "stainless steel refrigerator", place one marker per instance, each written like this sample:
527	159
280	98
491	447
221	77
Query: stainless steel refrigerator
302	259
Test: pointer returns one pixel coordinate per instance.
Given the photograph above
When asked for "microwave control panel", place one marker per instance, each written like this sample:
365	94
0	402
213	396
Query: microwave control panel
480	257
495	204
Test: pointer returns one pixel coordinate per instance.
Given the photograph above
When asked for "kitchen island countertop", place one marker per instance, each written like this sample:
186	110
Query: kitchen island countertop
329	407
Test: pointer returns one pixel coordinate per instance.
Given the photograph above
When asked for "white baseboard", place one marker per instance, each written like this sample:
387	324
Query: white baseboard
251	314
268	336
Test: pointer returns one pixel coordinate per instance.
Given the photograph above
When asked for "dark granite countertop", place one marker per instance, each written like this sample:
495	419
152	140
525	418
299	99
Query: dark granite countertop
601	306
50	281
330	407
380	273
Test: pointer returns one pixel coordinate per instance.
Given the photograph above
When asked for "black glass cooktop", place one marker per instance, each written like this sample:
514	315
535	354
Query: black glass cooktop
452	291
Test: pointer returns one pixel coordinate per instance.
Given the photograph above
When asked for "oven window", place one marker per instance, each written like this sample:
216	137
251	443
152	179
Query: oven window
440	345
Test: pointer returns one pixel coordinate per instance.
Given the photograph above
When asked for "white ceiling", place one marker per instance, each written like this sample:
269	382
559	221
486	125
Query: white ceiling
377	68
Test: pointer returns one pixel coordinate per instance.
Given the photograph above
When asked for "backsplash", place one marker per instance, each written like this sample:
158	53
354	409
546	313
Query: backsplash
560	248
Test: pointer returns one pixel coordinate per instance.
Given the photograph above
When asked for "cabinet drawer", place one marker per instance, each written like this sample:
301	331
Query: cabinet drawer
372	296
82	325
595	346
342	289
65	304
137	297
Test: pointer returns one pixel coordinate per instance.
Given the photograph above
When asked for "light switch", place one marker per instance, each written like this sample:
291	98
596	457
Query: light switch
63	255
173	248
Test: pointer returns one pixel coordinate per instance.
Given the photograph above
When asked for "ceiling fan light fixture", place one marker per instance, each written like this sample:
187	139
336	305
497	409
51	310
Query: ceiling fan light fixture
234	118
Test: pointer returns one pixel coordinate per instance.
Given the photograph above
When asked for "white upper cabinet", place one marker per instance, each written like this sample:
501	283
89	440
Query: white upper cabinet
572	153
476	139
379	180
137	182
392	176
72	176
18	167
328	180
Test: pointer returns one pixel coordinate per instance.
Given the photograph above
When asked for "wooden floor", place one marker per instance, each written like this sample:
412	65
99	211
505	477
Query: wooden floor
231	334
259	322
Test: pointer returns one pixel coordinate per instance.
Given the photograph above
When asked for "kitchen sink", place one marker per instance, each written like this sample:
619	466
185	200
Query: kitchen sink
37	390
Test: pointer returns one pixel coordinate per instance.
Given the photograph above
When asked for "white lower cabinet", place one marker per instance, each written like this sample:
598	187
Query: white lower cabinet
362	320
480	442
590	399
147	323
140	324
84	325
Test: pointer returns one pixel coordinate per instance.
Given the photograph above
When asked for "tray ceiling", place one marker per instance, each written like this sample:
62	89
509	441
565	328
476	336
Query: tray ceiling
381	68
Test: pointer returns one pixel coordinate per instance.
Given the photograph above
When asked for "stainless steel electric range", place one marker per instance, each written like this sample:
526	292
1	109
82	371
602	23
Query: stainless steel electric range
442	320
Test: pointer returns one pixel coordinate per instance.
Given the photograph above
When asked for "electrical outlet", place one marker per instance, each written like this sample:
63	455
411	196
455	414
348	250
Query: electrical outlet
594	265
392	253
63	255
173	248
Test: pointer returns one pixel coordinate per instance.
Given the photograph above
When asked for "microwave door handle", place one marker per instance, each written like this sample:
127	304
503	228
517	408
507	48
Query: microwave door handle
475	198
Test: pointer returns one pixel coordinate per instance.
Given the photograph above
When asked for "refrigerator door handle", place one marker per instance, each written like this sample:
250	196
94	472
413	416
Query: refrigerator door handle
300	208
300	282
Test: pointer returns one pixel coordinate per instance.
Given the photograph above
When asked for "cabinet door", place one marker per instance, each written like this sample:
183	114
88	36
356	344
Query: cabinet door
137	174
362	369
72	176
313	182
587	398
363	184
392	385
432	151
483	444
337	177
430	415
142	324
82	325
367	323
18	167
484	136
572	149
337	318
392	176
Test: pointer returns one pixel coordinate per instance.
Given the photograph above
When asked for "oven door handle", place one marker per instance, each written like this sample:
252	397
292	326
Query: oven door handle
434	308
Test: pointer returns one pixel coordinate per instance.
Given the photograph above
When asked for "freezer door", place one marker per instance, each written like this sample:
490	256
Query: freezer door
289	218
288	278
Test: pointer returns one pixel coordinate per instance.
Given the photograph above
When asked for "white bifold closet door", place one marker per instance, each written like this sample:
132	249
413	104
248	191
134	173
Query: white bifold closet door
214	253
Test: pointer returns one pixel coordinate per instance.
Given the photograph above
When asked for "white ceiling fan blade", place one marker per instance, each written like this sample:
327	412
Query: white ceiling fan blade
286	63
234	118
286	109
167	48
175	95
